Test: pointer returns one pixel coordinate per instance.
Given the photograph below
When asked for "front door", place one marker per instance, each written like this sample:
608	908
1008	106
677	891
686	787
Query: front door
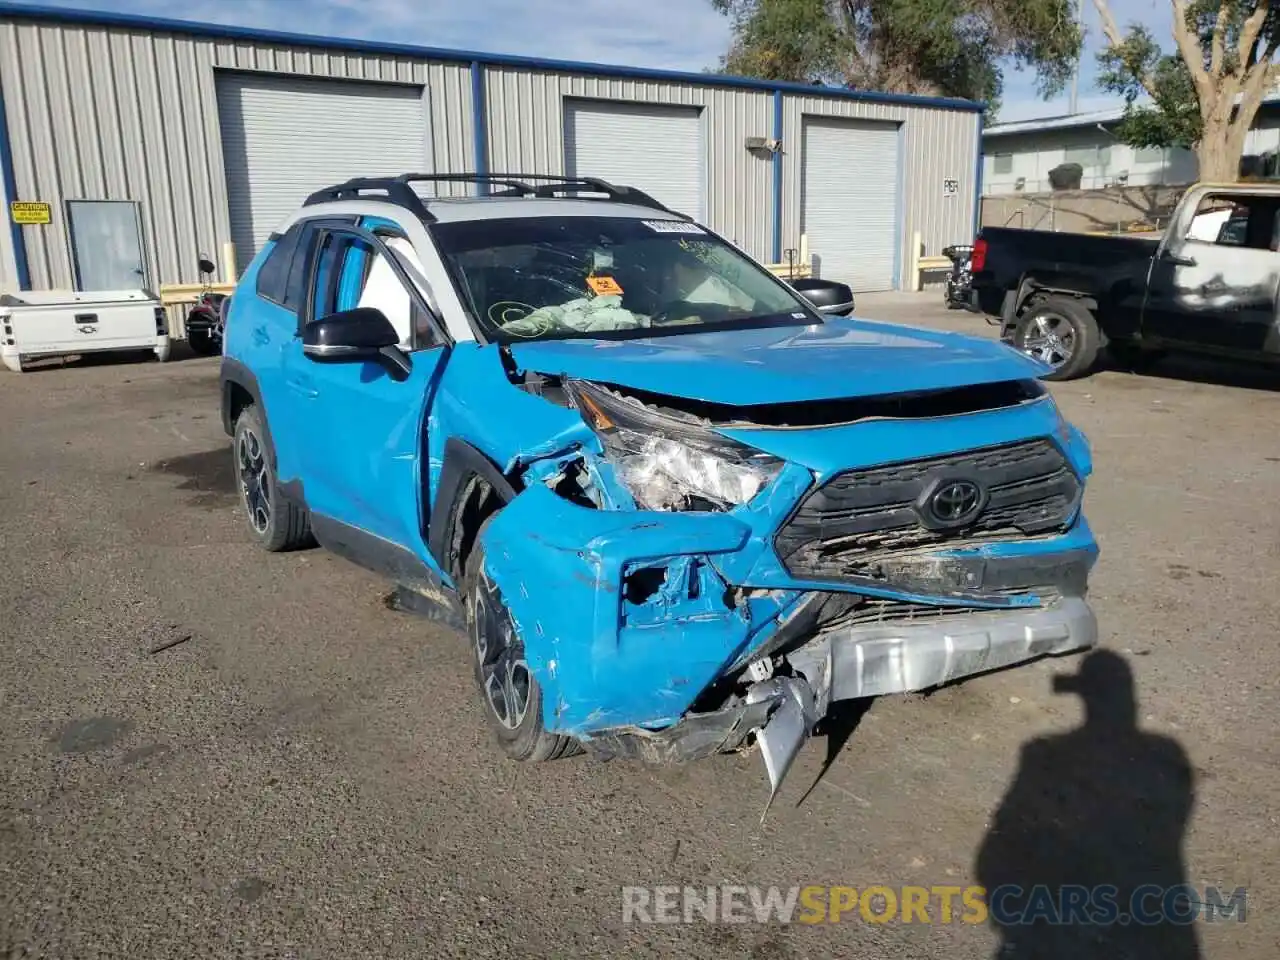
1216	288
364	431
106	245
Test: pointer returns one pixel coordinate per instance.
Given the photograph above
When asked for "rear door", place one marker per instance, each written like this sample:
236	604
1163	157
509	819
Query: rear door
106	245
1217	293
362	470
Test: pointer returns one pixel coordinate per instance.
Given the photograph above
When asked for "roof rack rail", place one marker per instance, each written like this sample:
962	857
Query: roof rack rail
399	190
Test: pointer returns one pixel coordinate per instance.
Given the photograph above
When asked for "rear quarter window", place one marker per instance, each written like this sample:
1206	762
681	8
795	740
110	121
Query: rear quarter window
273	276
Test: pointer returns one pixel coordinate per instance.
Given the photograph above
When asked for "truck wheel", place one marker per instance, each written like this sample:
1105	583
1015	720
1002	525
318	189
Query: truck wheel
1061	332
511	697
276	523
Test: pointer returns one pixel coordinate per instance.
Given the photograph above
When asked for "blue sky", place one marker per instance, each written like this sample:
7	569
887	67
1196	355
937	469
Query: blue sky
671	34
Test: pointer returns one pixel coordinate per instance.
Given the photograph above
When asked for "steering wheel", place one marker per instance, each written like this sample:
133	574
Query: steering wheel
680	311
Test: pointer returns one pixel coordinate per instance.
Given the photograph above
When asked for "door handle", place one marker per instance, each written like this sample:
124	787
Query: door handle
1178	260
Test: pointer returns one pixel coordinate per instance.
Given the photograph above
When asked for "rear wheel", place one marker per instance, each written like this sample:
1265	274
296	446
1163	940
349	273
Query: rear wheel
1062	333
276	523
511	697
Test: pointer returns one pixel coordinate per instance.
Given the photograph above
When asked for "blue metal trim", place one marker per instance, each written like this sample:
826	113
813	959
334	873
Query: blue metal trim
899	212
977	180
195	28
777	177
11	192
479	125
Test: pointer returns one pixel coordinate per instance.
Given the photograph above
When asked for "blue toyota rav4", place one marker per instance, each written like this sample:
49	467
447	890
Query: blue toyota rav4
679	505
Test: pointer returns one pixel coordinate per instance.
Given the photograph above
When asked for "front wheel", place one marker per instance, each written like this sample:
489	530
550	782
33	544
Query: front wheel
276	523
509	693
1062	333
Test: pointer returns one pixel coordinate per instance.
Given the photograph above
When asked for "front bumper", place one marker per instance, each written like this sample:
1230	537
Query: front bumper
871	661
633	621
856	662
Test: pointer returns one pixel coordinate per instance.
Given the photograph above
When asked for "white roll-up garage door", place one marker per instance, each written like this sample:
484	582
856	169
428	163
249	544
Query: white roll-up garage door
284	136
653	147
850	191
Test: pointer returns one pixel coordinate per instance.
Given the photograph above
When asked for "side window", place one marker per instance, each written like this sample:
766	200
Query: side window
1233	232
1235	221
295	290
350	273
273	276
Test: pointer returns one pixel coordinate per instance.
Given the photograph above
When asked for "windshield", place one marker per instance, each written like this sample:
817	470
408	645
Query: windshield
539	278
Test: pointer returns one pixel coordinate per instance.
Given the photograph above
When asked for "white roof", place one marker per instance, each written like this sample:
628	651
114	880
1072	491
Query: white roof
1072	121
1066	122
446	210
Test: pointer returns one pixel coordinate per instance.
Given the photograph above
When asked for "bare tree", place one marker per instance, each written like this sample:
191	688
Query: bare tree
1205	97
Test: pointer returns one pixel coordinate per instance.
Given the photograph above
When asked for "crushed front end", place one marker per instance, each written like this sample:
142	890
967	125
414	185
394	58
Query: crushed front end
687	576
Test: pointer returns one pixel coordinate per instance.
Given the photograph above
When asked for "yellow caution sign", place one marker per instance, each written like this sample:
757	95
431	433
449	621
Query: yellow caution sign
30	211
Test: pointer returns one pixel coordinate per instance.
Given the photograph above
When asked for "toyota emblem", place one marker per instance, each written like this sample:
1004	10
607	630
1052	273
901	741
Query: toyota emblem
955	502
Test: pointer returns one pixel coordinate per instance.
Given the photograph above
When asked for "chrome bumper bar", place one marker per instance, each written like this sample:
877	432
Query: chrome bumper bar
877	659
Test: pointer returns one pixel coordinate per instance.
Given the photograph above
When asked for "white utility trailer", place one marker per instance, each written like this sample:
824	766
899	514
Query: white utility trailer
49	323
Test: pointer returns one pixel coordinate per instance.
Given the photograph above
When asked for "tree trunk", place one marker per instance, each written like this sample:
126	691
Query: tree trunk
1219	152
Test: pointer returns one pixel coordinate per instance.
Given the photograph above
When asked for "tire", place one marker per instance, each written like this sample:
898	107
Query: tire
202	343
1062	332
277	524
502	676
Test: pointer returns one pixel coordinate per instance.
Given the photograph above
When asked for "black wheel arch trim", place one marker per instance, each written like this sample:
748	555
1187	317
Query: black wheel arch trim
235	372
1032	286
462	463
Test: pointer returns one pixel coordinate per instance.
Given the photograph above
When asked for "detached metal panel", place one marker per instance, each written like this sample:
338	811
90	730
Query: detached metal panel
284	137
850	200
656	148
113	113
525	112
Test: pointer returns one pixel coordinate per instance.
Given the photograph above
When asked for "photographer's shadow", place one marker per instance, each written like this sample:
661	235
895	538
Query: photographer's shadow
1103	806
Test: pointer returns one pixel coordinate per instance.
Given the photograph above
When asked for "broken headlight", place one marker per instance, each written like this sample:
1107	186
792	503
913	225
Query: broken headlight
667	460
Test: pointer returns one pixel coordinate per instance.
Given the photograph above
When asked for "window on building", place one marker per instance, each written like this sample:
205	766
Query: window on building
1087	157
1002	163
1149	155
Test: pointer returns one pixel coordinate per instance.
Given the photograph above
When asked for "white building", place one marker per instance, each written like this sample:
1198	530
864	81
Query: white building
1017	157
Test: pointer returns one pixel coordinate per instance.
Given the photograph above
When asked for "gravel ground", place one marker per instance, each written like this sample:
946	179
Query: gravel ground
305	774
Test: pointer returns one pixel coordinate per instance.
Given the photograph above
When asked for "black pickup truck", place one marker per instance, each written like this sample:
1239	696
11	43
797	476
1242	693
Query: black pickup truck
1208	285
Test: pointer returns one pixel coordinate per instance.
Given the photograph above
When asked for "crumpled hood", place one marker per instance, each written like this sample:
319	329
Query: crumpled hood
837	359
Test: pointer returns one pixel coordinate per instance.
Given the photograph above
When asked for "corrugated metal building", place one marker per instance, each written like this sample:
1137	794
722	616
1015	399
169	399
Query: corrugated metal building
154	141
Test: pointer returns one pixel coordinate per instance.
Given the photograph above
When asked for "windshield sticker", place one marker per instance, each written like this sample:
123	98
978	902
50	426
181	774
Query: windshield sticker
604	286
673	226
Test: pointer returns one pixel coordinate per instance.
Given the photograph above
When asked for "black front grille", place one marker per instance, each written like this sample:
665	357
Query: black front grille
843	529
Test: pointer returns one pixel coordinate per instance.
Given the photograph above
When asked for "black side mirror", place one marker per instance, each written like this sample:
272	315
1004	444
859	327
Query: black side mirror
830	297
355	336
206	265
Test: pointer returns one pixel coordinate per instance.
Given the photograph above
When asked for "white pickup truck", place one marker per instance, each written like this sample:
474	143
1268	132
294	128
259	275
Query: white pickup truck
47	323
